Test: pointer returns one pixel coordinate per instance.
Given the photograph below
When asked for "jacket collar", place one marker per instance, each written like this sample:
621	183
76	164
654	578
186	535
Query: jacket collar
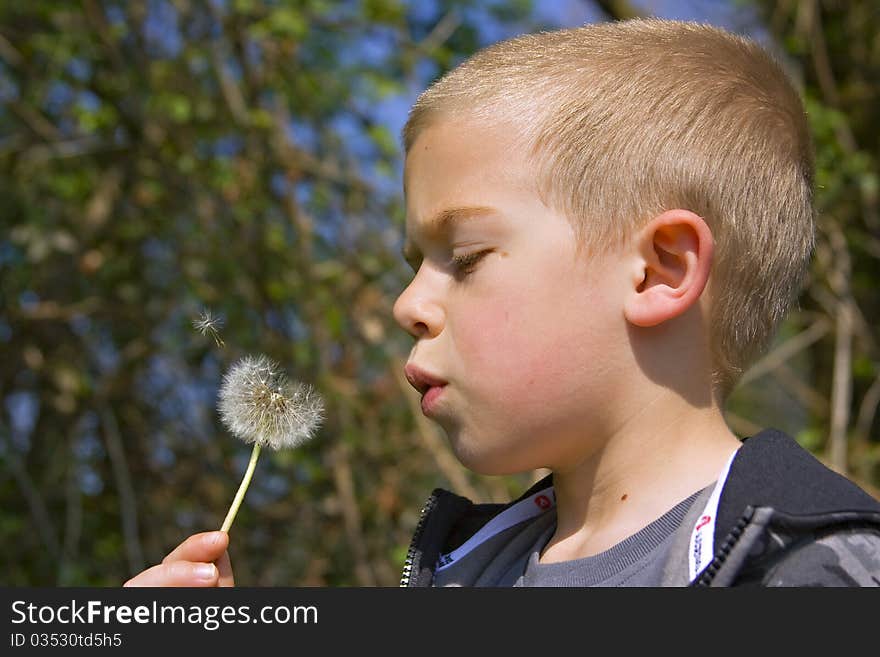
772	470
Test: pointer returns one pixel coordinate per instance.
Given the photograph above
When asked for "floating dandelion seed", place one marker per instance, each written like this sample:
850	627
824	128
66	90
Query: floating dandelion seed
208	323
260	405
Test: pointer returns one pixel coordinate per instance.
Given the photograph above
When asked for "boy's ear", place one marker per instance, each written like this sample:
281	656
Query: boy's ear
672	260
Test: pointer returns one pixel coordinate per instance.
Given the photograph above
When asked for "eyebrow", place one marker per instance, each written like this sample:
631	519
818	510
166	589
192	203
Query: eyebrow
443	221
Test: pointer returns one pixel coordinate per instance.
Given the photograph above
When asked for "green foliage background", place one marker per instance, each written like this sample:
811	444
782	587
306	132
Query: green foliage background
165	156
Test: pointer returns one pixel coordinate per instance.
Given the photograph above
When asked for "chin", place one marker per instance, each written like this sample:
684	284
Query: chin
497	461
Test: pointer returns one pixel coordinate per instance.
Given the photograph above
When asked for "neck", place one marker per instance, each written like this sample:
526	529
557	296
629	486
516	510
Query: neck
644	469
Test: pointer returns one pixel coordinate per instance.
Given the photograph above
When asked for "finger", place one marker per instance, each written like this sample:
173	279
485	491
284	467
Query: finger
177	573
206	546
224	565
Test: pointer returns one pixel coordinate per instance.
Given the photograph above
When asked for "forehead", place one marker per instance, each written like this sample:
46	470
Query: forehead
461	164
457	173
470	132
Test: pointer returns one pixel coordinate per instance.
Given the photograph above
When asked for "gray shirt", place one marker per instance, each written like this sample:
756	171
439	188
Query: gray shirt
511	558
636	561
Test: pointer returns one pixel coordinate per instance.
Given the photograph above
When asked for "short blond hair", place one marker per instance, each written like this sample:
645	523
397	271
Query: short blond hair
627	119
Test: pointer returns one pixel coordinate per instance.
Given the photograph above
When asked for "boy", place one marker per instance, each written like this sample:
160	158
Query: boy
606	225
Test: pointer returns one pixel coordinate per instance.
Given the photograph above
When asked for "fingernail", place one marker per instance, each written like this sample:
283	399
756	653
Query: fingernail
206	571
215	538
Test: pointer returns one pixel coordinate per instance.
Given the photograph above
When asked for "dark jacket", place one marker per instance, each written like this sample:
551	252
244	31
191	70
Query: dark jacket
784	519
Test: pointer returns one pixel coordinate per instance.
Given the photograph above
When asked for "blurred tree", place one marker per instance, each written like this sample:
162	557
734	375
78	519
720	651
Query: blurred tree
827	360
161	157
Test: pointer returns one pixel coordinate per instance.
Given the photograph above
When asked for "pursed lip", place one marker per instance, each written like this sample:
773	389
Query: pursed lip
422	380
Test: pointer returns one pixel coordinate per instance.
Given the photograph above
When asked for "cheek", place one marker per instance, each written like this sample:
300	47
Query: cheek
519	342
533	343
502	346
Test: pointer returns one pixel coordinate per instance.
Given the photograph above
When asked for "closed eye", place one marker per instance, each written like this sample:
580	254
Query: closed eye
466	264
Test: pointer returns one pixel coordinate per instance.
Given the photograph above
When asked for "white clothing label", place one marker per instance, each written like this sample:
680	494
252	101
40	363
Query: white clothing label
702	545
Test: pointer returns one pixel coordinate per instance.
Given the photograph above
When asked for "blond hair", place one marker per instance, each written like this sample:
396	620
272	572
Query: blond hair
627	119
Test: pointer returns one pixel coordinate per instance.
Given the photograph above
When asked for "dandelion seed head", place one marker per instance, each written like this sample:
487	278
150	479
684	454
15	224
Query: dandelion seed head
258	403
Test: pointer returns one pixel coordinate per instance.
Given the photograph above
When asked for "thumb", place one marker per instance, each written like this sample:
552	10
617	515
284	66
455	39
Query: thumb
224	567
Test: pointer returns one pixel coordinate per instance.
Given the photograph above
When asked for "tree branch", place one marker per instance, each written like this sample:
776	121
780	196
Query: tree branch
811	20
867	411
440	32
38	124
127	500
229	88
30	492
787	350
344	480
806	394
72	523
841	386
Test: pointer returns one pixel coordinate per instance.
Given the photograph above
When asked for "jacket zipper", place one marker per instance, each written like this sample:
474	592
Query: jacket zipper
417	535
705	578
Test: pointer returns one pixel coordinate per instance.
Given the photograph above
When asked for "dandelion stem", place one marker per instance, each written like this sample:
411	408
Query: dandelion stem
242	489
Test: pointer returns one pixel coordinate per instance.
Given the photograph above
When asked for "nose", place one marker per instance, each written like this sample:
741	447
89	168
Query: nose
418	311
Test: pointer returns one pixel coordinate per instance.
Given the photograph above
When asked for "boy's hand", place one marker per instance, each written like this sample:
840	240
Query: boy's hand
201	560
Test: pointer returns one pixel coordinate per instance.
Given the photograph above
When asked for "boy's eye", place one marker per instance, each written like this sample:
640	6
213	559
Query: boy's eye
465	264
